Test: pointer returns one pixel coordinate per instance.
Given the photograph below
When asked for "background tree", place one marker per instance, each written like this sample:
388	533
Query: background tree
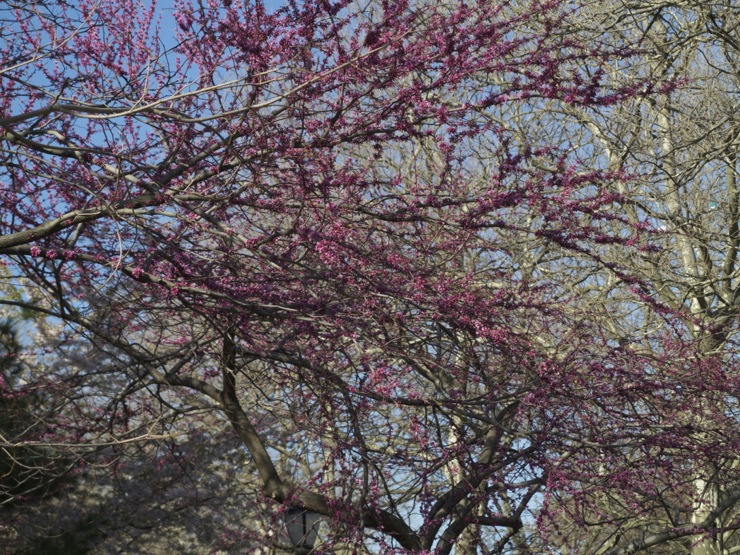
683	147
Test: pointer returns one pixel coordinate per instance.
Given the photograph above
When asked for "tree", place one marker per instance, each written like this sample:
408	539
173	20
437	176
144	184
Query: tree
24	471
683	148
28	468
320	224
85	478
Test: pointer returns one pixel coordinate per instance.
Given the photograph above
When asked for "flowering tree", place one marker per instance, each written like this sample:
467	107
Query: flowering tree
322	225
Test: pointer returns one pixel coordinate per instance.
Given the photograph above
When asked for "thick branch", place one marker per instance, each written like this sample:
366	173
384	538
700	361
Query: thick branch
73	218
706	525
273	485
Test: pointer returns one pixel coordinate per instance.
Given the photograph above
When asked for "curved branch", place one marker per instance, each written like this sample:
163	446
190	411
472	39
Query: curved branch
707	525
273	485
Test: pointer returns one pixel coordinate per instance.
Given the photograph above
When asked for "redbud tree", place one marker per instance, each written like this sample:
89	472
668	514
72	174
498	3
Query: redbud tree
319	225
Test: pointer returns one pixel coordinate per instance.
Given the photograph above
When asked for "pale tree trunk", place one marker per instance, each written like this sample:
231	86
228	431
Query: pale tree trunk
338	547
467	542
705	492
706	503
